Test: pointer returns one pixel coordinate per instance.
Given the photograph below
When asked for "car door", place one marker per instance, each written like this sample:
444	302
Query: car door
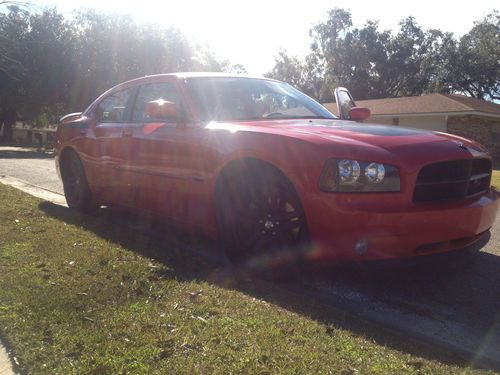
113	131
160	149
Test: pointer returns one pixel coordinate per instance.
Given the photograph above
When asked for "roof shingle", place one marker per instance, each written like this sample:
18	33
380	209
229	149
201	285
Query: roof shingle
430	103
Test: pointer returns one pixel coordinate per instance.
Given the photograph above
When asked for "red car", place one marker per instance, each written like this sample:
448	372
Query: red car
272	173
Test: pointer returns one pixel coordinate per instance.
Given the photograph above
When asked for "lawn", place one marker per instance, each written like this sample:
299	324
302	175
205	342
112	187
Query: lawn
81	295
496	178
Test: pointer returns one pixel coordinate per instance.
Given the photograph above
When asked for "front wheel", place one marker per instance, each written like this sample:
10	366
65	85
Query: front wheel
76	188
261	221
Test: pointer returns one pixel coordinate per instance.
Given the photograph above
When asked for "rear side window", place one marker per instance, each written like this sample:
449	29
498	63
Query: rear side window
150	92
113	107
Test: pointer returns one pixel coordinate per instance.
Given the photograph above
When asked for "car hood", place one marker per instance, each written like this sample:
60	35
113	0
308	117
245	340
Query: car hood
360	140
340	131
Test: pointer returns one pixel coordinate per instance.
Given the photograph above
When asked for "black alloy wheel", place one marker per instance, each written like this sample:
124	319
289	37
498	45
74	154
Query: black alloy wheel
261	220
76	188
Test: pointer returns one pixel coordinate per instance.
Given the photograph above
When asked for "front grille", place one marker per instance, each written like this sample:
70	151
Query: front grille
457	179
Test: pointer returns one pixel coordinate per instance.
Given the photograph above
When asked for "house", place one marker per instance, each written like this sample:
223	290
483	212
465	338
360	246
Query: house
457	114
24	134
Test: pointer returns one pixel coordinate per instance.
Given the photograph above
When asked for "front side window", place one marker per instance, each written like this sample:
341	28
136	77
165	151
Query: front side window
233	99
113	107
150	92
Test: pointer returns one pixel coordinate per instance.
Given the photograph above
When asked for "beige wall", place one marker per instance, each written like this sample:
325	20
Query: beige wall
27	136
420	122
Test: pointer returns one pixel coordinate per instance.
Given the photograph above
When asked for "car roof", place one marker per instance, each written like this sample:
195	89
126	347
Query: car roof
195	75
178	75
208	75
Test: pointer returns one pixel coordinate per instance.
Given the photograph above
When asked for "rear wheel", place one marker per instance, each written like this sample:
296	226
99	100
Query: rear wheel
76	188
261	221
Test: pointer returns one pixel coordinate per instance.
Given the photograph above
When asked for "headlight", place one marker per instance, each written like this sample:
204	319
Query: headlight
358	176
349	171
375	173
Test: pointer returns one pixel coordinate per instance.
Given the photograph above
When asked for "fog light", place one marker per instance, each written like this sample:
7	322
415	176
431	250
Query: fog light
361	247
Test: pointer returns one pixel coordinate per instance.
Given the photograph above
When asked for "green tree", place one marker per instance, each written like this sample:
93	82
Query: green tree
50	65
110	48
377	64
475	67
371	63
302	74
13	28
288	68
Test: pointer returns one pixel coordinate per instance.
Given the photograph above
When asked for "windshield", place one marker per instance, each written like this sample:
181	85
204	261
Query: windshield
238	99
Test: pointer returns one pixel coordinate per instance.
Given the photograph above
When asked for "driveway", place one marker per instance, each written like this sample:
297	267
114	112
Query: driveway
457	307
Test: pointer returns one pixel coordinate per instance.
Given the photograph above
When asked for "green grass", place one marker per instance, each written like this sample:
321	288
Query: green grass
495	181
82	295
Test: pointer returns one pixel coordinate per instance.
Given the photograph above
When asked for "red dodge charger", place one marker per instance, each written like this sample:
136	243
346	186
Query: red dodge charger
272	173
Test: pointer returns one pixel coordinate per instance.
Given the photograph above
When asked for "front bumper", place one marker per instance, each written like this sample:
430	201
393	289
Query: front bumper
342	230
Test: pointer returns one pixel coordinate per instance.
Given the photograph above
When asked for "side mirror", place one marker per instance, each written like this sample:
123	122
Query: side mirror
359	113
345	102
161	110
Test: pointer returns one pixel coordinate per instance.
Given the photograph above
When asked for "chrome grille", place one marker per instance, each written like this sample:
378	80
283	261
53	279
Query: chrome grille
456	179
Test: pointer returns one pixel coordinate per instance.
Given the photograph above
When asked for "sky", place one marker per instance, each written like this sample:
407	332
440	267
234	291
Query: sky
252	32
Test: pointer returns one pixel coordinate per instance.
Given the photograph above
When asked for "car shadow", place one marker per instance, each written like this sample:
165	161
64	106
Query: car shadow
25	154
462	291
471	293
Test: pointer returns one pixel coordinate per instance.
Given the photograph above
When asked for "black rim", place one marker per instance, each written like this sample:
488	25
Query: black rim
267	219
73	182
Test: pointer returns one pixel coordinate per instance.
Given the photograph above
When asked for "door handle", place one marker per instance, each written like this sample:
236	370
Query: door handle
127	133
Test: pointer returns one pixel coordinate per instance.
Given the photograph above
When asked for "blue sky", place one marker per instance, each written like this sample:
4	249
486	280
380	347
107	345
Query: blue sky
252	32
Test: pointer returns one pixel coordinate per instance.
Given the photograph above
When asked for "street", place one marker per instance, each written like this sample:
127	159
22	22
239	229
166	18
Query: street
454	307
28	165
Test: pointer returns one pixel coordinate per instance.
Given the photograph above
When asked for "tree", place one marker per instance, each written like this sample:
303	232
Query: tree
50	65
476	64
371	63
302	74
377	64
109	49
288	68
12	29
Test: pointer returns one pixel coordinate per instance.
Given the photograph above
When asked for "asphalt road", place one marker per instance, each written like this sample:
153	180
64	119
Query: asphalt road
31	166
456	306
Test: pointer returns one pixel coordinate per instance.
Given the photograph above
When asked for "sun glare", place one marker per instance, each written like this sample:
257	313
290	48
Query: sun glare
251	33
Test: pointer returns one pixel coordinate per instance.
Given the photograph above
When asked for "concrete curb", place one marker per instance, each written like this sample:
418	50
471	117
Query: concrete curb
6	367
36	191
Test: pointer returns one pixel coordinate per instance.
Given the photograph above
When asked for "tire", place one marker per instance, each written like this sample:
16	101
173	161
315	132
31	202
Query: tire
76	188
260	218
